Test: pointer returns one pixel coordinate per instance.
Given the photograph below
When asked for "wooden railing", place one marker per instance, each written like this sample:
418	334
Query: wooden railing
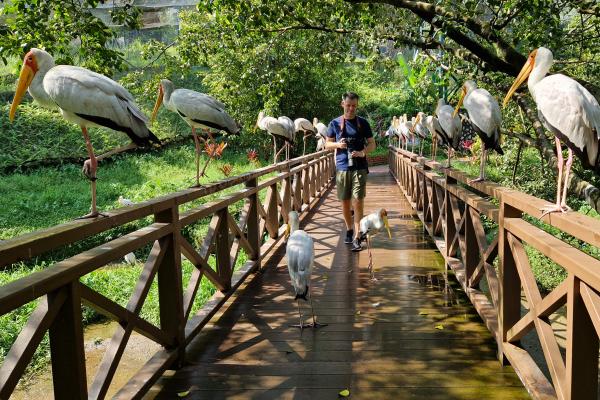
298	185
452	210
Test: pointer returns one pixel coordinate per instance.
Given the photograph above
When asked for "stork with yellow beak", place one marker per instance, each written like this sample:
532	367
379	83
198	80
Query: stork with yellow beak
198	110
370	225
566	109
485	118
300	254
420	128
84	98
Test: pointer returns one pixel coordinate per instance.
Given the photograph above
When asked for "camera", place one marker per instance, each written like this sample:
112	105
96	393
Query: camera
354	144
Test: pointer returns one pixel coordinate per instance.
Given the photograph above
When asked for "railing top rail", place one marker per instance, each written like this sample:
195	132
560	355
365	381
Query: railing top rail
576	224
38	242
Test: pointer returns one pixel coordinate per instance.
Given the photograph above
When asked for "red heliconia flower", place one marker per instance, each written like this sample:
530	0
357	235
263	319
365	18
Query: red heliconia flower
214	150
226	169
252	156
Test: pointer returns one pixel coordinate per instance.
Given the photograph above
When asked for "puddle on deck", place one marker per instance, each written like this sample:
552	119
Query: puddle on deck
97	337
438	282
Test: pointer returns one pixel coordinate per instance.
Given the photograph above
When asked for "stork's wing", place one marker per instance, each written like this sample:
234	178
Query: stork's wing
302	124
450	125
571	109
203	109
484	111
98	99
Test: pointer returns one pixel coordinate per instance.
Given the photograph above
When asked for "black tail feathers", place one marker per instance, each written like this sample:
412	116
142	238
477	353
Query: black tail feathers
302	295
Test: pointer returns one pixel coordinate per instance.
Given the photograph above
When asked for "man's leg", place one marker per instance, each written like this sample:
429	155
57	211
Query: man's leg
357	204
347	214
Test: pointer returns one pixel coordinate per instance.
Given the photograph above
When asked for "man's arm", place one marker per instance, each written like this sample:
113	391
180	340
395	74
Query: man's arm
332	144
370	147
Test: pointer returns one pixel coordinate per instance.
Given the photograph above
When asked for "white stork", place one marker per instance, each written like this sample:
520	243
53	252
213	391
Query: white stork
450	125
84	98
420	127
369	226
321	133
566	109
485	118
198	110
405	127
300	254
306	127
281	127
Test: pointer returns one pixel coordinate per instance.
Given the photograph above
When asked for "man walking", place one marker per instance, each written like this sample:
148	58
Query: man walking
352	139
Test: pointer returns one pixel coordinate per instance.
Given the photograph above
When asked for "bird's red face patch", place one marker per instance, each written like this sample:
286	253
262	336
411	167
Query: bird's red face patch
31	62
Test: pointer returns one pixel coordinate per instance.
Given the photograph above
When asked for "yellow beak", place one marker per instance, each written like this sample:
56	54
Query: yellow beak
159	101
460	101
525	71
387	226
25	78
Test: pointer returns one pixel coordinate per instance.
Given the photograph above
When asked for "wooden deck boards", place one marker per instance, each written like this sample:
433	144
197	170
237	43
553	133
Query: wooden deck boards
381	341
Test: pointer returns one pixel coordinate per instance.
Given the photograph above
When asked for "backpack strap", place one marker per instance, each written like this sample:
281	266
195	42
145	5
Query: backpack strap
343	125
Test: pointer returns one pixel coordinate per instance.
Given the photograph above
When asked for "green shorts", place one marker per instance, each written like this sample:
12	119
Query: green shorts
351	184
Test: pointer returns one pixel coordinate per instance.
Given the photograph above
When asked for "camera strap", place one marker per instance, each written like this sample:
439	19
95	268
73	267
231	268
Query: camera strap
343	126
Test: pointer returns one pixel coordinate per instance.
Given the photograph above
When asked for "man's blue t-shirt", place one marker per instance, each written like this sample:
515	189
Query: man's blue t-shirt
358	138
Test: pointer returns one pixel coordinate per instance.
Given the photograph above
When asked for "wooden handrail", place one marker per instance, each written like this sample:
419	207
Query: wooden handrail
451	208
298	185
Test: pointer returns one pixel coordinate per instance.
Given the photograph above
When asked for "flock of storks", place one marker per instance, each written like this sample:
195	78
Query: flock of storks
86	98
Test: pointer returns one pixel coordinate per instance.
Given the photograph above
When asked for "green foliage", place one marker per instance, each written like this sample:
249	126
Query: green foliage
54	25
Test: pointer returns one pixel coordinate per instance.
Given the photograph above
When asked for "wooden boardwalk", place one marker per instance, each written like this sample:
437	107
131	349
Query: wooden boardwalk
410	334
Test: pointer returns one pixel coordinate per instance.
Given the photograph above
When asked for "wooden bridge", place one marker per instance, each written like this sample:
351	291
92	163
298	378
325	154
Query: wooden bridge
451	308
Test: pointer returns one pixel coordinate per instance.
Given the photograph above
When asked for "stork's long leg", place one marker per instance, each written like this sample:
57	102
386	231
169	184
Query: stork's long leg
421	148
370	258
482	162
301	326
314	324
274	150
449	155
197	144
90	167
563	201
556	207
412	148
279	152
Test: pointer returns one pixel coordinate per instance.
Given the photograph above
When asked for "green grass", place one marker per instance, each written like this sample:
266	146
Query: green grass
49	196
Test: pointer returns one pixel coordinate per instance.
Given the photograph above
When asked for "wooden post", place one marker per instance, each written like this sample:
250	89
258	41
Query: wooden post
224	267
66	346
272	221
450	230
471	258
582	346
509	295
305	184
253	224
170	292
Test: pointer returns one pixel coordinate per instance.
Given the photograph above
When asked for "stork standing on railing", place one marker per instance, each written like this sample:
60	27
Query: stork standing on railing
371	225
405	127
198	110
485	117
450	125
421	130
566	109
320	133
282	127
306	128
300	254
433	125
84	98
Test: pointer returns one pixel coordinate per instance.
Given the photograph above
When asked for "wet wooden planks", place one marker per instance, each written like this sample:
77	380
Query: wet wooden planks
410	334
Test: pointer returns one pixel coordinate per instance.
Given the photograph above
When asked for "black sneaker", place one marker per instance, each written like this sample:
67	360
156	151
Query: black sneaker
349	235
356	245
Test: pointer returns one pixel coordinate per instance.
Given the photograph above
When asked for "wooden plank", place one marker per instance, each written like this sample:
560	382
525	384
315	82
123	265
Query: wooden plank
199	262
37	284
591	299
573	260
114	311
22	350
536	383
579	225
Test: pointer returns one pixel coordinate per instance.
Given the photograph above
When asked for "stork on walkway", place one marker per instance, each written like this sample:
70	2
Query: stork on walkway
370	225
300	254
198	110
86	99
566	109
